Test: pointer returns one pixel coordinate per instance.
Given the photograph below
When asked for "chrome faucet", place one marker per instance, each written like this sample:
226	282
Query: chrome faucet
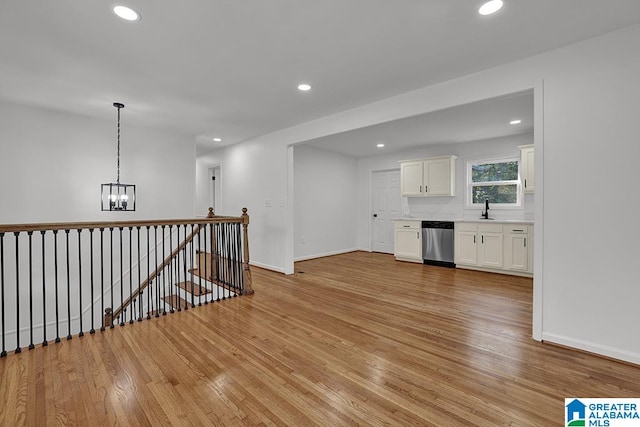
485	214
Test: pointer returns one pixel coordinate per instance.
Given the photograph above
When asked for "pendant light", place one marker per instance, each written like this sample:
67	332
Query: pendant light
116	196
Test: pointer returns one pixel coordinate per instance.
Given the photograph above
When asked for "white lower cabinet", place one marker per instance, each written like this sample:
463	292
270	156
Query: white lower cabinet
465	248
490	250
408	240
465	244
501	248
517	248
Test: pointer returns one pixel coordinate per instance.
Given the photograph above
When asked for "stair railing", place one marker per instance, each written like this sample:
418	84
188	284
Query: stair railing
111	314
63	279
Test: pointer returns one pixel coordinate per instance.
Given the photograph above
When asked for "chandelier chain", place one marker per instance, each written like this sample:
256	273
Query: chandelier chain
118	176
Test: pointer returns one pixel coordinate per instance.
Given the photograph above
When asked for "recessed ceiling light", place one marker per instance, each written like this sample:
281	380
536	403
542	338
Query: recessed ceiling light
515	122
217	139
126	13
380	145
490	7
304	87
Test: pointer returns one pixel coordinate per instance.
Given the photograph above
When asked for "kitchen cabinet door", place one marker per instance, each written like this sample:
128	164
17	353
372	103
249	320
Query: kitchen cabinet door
438	177
408	241
516	253
411	178
408	244
466	248
490	250
527	168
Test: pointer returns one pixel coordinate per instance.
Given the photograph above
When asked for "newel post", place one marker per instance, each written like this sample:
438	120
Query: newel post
211	271
248	290
108	317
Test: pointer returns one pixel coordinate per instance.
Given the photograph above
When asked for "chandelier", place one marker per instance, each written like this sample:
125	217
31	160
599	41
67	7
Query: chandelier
117	196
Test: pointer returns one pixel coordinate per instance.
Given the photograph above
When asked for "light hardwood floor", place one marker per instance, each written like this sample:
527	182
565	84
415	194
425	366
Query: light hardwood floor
354	339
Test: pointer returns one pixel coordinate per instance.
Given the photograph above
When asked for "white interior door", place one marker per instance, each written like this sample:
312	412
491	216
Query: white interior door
386	205
214	189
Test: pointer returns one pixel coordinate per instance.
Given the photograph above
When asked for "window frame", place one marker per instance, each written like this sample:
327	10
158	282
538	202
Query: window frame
470	185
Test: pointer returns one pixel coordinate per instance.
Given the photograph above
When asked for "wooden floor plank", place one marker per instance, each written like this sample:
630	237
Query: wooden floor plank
354	339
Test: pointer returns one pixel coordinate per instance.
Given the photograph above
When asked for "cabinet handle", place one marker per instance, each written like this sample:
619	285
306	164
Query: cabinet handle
474	240
418	236
406	226
525	242
421	188
483	239
426	188
520	231
525	183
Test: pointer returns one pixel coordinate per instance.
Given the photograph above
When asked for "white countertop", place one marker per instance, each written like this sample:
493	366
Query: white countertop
493	221
499	221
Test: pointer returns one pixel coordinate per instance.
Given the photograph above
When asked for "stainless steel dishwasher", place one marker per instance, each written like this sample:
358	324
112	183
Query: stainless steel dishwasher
437	243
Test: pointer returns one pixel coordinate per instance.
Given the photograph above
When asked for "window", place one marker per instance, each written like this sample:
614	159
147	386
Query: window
494	180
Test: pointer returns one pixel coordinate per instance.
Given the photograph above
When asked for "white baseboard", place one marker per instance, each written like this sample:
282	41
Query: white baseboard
267	267
367	249
614	353
324	254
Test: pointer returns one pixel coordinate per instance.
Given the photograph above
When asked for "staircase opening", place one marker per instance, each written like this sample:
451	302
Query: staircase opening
62	280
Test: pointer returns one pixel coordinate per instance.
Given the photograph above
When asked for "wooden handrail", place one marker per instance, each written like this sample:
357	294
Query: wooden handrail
12	228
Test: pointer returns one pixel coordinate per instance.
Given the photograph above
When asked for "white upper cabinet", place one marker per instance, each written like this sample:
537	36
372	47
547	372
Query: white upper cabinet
439	179
428	177
411	178
527	168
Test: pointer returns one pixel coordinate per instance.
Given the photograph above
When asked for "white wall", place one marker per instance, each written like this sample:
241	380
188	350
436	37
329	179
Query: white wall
52	165
202	187
440	207
591	284
324	202
585	286
253	175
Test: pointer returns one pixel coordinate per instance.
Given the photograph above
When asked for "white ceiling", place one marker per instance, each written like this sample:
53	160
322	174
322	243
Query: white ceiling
471	122
229	68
